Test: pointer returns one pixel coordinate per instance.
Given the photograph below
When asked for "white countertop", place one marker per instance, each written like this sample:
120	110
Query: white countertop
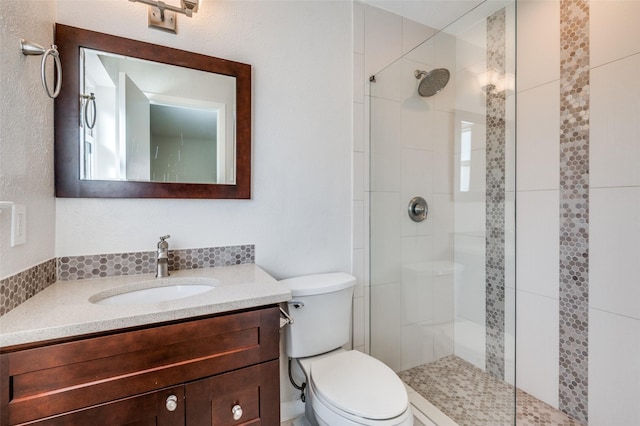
63	309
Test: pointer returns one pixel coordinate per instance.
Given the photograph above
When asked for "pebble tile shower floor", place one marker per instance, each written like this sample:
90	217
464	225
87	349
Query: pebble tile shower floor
471	397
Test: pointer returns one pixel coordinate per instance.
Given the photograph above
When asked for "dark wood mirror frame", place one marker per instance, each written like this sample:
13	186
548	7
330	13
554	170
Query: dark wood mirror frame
67	116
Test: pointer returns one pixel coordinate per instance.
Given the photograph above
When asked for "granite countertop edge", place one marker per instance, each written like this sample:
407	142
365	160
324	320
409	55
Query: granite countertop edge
63	309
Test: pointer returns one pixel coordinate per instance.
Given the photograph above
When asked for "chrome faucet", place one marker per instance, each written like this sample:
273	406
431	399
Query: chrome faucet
162	257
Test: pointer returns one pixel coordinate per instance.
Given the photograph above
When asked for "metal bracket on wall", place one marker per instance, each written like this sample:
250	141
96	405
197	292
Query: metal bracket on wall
285	319
162	19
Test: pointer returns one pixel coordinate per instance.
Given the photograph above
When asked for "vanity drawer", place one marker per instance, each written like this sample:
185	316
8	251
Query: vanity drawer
140	410
58	378
253	392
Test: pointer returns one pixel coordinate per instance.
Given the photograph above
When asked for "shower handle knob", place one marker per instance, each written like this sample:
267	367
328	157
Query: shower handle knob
418	209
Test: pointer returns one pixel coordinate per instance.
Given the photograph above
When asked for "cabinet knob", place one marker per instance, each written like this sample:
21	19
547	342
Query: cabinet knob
172	403
237	412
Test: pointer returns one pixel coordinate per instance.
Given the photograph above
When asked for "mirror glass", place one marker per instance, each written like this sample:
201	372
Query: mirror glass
152	122
141	120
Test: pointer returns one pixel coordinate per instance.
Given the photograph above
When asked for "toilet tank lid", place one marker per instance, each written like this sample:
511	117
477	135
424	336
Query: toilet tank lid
309	285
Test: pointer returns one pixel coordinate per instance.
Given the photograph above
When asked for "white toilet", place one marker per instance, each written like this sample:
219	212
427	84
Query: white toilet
342	387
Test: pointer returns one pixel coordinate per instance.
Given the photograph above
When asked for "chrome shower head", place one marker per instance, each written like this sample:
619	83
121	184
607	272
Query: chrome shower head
433	82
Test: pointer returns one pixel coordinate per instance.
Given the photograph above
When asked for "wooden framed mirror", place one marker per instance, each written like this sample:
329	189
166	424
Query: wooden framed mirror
139	120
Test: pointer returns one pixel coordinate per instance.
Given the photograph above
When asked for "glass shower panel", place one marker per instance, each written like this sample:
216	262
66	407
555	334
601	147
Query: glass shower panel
442	291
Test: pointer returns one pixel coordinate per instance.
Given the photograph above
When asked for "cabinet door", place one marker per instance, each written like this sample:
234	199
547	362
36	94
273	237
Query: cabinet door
151	409
249	396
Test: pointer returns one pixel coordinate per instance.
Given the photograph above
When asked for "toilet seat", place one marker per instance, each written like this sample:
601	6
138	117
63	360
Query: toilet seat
326	415
360	388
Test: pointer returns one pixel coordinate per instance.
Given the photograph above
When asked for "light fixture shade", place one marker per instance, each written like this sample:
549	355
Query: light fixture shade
191	5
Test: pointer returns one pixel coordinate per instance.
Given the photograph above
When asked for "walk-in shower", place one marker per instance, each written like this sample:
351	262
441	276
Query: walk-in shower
442	299
442	289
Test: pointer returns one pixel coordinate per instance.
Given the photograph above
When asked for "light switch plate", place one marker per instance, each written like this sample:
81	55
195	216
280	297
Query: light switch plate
18	224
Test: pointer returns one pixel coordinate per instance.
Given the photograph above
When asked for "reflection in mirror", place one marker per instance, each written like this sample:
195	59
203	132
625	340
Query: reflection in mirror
146	121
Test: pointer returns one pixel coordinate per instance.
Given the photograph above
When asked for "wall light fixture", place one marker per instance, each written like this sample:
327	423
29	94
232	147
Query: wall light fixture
163	16
497	81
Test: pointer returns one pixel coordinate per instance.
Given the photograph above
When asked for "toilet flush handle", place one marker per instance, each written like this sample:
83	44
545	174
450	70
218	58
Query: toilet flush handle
296	304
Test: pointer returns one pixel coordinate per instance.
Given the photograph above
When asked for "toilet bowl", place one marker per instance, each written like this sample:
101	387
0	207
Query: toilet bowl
352	388
342	387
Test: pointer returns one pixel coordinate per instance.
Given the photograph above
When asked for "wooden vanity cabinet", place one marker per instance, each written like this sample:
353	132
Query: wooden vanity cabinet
196	372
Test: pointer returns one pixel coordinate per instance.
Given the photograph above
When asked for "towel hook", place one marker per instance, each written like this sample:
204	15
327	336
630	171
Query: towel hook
30	48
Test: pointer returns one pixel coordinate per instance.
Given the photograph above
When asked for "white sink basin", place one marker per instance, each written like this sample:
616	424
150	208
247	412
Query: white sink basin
154	291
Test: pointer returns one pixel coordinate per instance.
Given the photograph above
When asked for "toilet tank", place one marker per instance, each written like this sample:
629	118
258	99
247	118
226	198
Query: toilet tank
322	320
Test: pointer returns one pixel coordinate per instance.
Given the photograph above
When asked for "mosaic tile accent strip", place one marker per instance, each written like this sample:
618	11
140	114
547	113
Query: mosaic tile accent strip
17	288
211	256
116	264
574	208
471	397
495	199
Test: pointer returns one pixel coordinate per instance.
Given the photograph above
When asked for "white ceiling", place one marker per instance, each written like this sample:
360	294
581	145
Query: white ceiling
433	13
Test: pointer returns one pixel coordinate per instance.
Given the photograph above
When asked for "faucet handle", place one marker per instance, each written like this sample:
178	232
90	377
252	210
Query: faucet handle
163	244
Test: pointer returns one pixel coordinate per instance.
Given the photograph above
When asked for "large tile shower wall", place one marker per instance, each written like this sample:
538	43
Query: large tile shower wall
407	159
380	38
578	207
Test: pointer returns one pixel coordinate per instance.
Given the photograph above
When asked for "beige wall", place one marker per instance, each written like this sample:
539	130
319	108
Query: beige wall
26	135
299	215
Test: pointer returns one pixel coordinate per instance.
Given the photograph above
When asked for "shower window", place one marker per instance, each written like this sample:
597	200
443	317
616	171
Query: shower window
466	133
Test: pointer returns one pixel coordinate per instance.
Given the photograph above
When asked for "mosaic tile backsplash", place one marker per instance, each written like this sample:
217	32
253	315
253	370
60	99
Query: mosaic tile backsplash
115	264
17	288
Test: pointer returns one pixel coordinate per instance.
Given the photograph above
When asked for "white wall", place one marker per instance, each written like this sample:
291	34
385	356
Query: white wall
26	135
614	314
614	206
299	215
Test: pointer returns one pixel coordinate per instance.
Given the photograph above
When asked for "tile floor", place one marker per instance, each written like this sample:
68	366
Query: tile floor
471	397
417	421
453	392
